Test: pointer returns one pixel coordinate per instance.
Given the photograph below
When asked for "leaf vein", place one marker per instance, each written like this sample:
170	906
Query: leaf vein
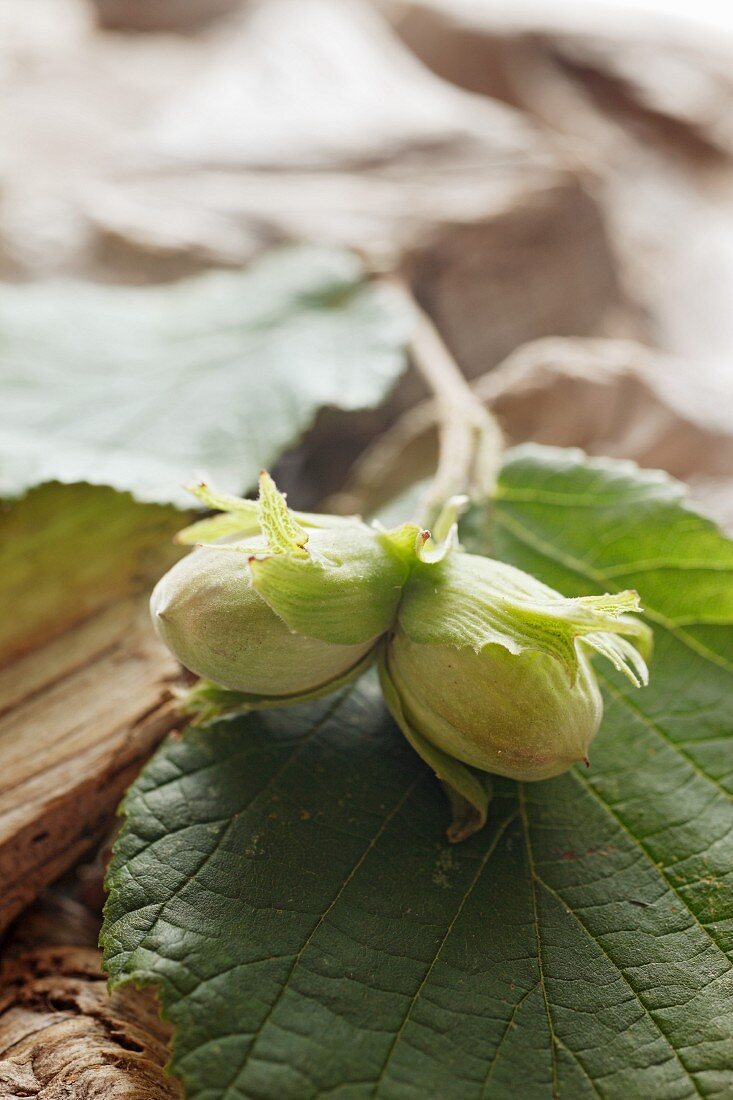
529	538
461	905
536	921
233	1084
638	842
622	973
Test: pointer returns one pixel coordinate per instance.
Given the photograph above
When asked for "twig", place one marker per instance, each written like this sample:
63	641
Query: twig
470	439
469	443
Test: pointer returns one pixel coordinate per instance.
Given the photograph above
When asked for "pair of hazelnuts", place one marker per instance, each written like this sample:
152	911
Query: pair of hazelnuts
484	668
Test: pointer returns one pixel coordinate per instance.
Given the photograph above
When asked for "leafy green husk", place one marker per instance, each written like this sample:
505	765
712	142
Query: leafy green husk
470	600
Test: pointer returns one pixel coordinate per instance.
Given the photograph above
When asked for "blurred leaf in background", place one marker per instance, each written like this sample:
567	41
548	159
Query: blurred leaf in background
144	388
284	878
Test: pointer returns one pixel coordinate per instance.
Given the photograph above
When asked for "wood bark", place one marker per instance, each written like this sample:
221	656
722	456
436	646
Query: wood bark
63	1035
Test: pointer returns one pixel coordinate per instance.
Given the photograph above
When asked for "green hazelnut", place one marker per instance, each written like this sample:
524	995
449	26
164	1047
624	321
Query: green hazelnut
513	715
209	614
487	670
293	609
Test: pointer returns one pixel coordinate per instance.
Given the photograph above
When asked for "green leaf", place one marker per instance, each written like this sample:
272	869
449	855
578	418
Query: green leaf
285	878
142	387
66	551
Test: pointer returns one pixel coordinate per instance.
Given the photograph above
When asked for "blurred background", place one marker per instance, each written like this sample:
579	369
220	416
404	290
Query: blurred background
537	170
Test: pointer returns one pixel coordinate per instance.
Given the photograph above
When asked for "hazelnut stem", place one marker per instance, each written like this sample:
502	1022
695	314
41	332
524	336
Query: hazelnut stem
470	439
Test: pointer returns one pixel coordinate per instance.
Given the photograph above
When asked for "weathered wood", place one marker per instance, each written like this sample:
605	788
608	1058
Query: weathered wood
63	1035
84	684
79	717
57	918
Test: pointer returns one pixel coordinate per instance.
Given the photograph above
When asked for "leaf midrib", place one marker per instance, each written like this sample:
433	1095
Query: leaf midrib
536	923
461	905
386	821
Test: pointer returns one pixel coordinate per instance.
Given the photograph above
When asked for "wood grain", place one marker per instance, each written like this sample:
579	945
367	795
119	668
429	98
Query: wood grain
79	717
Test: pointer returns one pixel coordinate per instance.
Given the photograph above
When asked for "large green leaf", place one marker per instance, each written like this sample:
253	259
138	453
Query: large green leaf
285	879
67	551
143	388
